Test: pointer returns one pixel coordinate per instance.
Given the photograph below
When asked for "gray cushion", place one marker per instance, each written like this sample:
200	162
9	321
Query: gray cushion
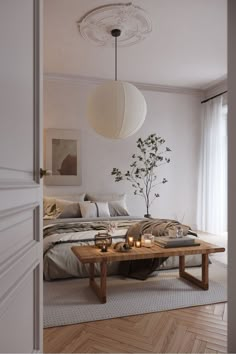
67	209
118	208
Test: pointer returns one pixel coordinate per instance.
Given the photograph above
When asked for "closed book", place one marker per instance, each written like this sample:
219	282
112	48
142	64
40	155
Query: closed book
177	245
170	241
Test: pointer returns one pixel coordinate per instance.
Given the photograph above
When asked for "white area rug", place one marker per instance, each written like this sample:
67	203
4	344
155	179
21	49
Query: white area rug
72	301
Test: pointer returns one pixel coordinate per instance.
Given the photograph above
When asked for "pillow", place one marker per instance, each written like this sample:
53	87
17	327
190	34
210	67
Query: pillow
67	209
49	203
116	202
93	210
118	208
88	210
103	209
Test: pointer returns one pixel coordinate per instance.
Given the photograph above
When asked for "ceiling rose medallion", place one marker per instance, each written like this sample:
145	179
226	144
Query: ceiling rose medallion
132	20
116	109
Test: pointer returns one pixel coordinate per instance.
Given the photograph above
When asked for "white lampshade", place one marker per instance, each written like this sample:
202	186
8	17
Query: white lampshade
116	109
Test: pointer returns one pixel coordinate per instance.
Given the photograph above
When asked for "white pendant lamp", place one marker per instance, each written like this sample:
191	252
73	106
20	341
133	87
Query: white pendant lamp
116	109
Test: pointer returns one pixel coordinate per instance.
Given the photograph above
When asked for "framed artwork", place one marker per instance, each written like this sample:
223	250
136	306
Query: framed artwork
62	157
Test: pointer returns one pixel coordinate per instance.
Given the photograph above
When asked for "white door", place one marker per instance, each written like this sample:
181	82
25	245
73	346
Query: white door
20	191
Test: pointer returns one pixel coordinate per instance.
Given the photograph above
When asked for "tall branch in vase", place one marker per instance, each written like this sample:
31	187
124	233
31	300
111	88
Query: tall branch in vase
142	174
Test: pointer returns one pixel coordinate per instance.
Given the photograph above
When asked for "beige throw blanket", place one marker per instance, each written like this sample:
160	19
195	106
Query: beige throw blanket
141	269
156	227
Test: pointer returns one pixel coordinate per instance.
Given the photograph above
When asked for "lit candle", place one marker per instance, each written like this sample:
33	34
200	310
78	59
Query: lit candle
138	244
104	247
147	243
131	241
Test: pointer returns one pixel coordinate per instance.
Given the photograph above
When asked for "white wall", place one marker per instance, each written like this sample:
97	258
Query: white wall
173	116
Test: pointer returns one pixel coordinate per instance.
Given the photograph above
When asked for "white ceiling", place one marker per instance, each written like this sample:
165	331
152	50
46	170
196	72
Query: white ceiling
187	46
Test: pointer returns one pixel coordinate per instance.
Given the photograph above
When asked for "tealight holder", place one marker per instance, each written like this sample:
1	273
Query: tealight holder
131	241
147	240
137	244
101	239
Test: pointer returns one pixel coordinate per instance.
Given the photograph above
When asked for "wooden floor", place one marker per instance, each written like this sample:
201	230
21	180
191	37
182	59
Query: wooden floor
201	329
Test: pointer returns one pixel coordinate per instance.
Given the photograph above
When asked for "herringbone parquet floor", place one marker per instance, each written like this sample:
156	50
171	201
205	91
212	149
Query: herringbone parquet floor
201	329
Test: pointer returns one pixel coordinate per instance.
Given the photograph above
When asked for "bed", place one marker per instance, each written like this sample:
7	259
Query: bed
71	220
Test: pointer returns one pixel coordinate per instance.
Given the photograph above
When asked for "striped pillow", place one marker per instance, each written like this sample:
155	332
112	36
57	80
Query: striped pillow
94	209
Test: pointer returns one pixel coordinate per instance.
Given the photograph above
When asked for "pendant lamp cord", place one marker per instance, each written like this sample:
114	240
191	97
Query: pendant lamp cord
115	33
115	58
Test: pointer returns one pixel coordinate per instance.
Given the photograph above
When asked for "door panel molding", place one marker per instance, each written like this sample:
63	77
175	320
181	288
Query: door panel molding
13	279
16	257
15	178
10	212
9	220
14	239
17	200
37	306
37	223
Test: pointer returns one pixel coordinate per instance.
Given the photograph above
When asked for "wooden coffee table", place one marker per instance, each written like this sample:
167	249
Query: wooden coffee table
92	255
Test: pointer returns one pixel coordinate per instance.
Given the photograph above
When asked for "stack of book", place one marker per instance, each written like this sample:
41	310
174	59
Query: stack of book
170	242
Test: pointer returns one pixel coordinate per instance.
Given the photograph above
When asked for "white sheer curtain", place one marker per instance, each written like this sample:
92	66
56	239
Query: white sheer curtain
212	189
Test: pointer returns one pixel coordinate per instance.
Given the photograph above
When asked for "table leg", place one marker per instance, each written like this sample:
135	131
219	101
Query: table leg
181	265
103	281
100	291
204	283
91	272
205	271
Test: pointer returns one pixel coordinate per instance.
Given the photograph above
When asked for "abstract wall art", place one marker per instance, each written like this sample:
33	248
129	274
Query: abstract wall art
62	157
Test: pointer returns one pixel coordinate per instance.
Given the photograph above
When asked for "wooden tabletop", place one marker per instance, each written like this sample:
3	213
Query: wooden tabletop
92	254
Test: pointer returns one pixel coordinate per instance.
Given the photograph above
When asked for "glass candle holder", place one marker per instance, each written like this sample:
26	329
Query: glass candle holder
147	240
131	241
179	232
101	238
137	244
